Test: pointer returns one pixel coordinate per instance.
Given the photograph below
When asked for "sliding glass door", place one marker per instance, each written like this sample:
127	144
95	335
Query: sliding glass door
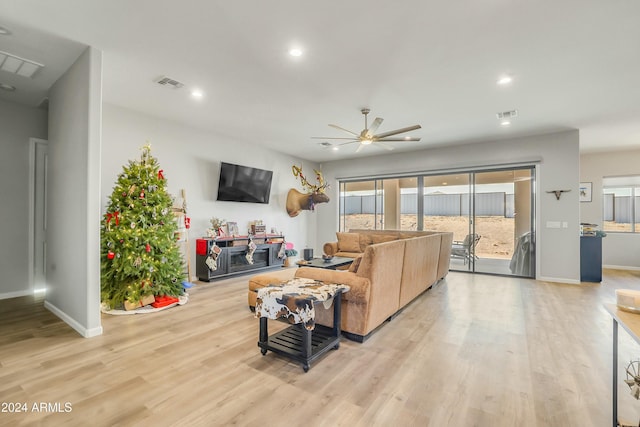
490	212
491	216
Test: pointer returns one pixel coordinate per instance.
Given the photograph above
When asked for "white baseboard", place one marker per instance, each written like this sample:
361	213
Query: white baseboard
16	294
621	267
87	333
557	280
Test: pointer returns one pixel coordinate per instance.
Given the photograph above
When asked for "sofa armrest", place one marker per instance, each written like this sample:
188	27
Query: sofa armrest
330	248
360	286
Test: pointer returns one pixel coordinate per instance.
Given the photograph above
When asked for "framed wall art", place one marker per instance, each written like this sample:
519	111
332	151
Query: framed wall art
585	191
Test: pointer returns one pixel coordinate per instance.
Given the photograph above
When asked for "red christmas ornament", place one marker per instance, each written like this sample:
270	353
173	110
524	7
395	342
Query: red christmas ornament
110	255
142	194
148	248
160	174
187	222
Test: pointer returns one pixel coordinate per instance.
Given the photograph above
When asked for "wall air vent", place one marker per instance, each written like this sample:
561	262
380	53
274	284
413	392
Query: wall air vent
20	66
169	82
507	114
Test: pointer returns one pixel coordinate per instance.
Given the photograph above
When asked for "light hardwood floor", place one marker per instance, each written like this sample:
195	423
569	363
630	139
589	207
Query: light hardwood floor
473	351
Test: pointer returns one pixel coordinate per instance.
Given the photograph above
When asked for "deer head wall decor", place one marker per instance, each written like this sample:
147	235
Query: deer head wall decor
297	201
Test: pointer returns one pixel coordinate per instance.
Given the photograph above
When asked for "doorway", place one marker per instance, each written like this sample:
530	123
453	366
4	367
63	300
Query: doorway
38	157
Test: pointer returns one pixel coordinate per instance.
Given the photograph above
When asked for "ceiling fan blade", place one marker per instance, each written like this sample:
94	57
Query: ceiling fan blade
343	129
349	142
375	125
360	147
385	146
397	131
397	139
332	137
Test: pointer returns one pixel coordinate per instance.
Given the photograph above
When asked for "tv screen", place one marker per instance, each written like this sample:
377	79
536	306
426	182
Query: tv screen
244	184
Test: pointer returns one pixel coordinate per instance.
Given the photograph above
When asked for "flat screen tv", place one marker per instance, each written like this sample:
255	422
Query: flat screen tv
244	184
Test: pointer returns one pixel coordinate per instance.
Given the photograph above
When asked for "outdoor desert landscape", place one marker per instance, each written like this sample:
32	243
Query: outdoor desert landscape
497	232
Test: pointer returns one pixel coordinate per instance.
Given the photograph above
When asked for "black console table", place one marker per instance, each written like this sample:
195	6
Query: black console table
232	258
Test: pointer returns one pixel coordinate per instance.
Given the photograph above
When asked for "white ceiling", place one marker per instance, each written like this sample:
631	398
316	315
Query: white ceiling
575	64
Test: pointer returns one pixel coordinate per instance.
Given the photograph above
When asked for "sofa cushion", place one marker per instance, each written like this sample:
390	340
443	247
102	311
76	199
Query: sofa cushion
365	240
348	254
353	268
348	242
360	286
382	238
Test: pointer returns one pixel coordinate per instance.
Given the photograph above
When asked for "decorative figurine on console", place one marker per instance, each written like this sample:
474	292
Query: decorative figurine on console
297	201
216	228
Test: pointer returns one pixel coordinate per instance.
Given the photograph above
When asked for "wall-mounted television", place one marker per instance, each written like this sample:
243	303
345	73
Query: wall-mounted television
244	184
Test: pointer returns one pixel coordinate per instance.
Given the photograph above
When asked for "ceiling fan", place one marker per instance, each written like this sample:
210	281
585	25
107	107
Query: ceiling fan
368	136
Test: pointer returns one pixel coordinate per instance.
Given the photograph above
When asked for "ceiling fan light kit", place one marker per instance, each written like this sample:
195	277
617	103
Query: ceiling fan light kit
368	136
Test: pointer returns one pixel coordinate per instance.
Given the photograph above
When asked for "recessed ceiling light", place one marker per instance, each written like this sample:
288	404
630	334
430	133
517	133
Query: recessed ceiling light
295	52
4	31
335	148
7	87
504	80
197	93
505	123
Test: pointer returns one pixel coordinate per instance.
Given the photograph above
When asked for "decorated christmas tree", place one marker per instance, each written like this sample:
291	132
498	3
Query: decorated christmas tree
139	256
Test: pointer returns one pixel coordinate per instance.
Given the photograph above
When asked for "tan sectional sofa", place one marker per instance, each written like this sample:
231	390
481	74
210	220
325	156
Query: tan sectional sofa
390	274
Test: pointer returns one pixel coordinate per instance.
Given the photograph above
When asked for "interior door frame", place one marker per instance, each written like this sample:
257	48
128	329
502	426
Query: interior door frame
33	142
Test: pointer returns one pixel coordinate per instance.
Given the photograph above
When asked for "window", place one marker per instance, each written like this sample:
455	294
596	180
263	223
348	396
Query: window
621	200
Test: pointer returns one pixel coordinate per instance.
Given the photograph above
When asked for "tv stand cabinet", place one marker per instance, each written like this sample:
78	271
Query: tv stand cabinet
232	259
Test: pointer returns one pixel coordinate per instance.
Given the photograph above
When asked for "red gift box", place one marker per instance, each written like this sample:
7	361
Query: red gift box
163	301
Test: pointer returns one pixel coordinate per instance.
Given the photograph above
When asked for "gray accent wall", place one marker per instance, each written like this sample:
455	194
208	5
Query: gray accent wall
17	125
73	205
557	159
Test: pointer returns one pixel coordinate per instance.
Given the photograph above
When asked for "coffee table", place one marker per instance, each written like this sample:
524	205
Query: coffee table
332	264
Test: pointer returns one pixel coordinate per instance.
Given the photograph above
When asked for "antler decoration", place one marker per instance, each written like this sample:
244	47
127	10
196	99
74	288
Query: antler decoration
320	188
558	193
297	202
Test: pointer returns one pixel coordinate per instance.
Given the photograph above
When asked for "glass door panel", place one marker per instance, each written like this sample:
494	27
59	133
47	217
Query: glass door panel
360	205
503	222
447	208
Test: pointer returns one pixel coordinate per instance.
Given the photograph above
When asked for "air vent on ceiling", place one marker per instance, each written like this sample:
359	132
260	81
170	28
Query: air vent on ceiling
20	66
168	81
325	144
507	114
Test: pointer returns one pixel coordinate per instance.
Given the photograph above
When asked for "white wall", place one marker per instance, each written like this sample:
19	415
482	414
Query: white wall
17	125
618	249
191	160
73	204
558	250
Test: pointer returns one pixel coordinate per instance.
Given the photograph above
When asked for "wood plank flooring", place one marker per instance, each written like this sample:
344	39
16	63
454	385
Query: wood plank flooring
474	351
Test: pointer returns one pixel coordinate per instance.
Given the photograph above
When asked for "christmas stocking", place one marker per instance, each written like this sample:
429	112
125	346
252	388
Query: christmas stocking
252	249
281	251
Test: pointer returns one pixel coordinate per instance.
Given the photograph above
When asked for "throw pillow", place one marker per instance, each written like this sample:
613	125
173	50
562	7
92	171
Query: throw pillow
348	242
353	268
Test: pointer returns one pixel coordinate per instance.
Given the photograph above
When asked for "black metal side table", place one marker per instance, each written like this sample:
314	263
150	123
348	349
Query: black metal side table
303	341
